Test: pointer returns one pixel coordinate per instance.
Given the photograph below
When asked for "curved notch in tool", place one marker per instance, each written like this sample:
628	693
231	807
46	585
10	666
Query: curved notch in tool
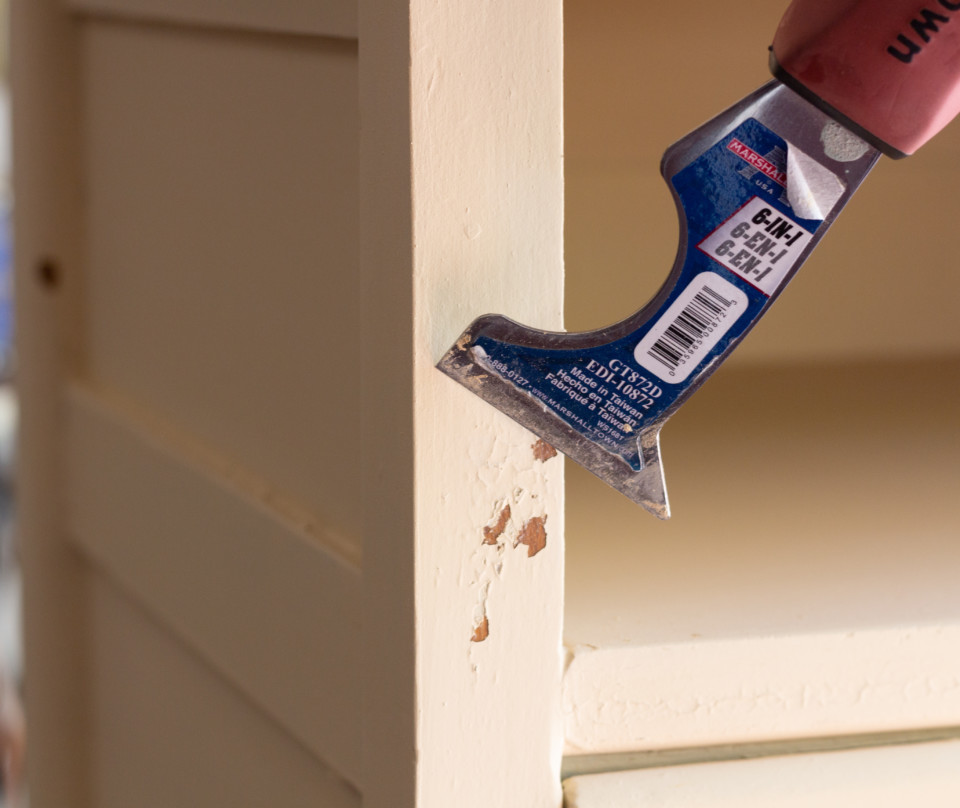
756	189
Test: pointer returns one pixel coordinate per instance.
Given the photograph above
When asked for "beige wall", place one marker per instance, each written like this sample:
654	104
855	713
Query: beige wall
641	75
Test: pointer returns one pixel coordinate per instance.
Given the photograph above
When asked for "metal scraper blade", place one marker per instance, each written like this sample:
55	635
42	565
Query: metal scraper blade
756	189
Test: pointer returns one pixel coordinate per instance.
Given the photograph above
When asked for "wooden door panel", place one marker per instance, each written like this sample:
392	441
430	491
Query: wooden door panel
247	585
220	283
166	731
209	447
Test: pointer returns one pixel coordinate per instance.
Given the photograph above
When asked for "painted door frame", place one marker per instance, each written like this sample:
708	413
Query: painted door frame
461	577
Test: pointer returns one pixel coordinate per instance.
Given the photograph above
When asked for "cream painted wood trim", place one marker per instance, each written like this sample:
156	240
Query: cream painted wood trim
390	705
886	777
581	765
750	690
336	18
281	621
44	74
461	214
488	192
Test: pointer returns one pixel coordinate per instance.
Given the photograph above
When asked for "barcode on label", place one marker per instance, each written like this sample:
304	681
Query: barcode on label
690	328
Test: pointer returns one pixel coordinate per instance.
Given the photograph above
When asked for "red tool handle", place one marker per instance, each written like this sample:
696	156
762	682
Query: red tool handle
888	69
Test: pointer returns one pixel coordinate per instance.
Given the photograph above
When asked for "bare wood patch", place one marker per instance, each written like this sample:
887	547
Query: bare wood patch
534	535
481	631
543	451
492	533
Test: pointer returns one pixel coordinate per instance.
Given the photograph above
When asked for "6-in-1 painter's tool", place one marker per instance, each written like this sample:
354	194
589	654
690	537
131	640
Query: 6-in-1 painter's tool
757	187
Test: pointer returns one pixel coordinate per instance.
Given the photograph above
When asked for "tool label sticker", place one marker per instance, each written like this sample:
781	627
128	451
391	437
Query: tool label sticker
695	322
758	244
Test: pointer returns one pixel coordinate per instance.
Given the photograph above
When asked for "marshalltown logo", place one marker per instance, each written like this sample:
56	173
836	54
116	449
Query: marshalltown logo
922	30
759	162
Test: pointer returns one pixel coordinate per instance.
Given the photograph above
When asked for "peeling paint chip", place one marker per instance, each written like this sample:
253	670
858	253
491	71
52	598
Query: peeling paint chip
543	451
534	535
481	632
492	533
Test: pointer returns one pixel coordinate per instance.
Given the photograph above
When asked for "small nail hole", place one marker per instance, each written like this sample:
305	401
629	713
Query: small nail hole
48	273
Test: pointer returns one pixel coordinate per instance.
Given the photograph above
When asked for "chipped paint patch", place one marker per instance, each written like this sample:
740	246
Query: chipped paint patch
481	631
493	532
534	535
543	451
481	621
510	477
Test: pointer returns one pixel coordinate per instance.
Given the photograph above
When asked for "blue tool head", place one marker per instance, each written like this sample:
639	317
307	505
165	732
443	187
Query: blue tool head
756	188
